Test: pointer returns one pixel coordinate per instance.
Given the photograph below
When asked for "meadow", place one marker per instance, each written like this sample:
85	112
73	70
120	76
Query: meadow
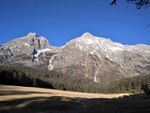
17	99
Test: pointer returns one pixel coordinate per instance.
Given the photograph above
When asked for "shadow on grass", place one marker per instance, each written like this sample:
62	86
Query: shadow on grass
6	93
138	103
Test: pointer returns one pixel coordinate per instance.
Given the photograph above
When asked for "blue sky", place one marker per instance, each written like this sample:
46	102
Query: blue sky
62	20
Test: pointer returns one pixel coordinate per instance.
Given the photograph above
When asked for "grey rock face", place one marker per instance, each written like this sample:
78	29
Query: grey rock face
94	57
20	50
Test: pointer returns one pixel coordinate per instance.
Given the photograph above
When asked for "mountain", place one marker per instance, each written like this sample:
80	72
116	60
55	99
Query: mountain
89	56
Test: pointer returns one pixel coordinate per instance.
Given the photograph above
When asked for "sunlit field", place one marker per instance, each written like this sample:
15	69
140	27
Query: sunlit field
16	99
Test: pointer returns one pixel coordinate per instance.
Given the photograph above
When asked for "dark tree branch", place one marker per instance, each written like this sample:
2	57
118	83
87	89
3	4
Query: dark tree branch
114	2
138	3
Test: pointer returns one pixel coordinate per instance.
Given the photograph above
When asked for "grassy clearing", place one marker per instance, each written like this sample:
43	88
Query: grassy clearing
16	99
35	92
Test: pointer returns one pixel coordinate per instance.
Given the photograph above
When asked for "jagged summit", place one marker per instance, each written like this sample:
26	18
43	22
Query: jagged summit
31	35
24	45
89	42
87	35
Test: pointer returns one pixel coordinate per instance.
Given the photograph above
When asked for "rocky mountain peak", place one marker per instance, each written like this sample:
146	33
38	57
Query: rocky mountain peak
89	42
24	45
31	35
32	39
87	35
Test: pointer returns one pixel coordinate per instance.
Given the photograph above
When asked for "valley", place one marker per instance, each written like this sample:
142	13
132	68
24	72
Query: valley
74	56
77	76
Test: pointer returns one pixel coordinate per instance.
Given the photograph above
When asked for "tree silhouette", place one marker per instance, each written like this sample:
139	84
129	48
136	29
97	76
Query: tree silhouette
138	3
146	89
113	2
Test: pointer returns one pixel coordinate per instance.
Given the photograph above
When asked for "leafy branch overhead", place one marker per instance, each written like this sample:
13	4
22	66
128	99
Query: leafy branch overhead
138	3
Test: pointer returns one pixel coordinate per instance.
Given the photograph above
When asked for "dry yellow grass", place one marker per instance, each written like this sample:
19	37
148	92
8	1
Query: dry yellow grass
16	99
41	92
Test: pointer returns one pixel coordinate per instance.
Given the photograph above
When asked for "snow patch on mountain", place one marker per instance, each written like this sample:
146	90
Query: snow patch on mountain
36	53
116	49
50	67
95	79
26	44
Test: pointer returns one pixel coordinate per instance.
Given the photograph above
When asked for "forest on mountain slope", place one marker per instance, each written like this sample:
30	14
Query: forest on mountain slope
37	77
132	84
26	76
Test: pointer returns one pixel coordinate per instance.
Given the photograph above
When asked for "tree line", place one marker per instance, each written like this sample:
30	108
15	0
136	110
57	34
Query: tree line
132	84
38	77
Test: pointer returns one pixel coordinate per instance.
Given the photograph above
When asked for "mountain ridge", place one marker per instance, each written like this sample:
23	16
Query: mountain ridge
90	56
